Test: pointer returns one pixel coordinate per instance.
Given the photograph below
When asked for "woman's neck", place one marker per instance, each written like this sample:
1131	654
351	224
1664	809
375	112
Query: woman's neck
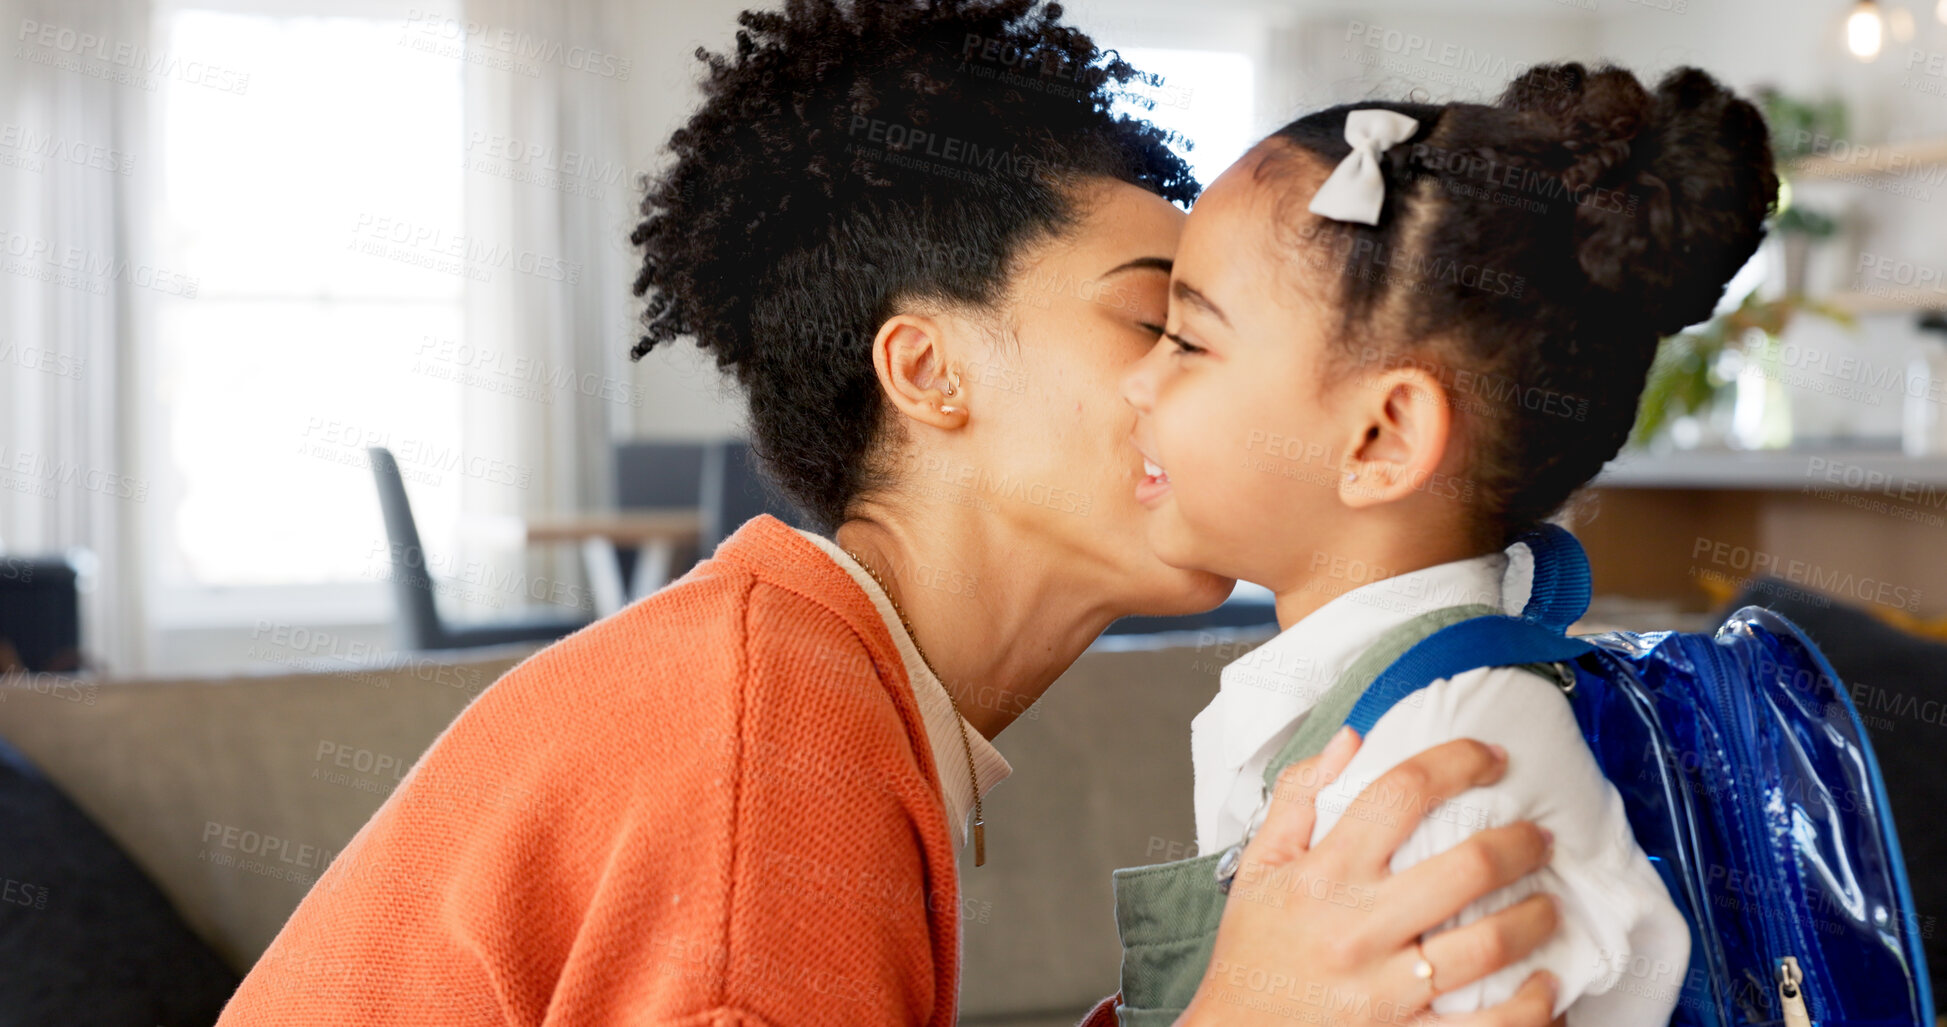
998	615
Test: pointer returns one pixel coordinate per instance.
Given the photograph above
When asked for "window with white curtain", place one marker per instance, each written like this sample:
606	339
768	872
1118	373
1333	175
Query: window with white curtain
320	221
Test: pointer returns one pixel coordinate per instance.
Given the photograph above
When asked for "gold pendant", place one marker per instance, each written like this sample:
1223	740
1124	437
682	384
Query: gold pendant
980	842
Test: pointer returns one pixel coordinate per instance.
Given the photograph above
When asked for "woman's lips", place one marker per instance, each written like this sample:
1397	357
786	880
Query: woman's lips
1155	482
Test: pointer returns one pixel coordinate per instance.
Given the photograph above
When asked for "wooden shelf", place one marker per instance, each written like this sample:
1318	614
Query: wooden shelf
1778	470
1891	300
1889	159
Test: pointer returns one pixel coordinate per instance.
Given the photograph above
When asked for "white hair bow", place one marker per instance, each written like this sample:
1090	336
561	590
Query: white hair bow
1356	189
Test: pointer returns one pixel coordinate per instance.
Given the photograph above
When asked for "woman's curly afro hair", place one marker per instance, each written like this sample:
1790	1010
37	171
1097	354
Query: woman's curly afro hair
853	157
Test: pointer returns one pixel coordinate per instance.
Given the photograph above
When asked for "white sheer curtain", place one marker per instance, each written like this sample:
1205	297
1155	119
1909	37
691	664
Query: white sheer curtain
73	288
545	92
545	95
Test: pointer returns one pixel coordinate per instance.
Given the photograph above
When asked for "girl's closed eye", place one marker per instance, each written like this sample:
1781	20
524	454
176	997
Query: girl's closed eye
1184	347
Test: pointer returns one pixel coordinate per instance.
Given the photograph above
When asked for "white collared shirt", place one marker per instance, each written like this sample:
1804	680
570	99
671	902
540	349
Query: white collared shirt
943	724
1623	947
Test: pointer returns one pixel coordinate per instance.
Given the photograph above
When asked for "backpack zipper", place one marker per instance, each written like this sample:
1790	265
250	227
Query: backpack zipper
1772	934
1790	993
1777	932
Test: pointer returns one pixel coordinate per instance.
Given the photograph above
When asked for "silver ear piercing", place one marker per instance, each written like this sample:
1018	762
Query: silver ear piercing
1352	476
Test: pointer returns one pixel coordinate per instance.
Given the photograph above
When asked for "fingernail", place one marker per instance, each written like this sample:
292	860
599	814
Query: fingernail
1500	753
1554	986
1339	741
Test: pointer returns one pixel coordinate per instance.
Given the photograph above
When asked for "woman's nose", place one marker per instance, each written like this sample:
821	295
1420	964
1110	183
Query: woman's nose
1138	386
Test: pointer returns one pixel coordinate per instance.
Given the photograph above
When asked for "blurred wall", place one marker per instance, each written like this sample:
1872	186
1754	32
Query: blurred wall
685	396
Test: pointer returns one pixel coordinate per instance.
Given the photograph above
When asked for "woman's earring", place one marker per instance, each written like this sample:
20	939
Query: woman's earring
947	409
1352	476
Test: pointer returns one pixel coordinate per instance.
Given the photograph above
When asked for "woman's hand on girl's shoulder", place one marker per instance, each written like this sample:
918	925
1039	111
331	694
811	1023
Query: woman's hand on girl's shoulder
1328	934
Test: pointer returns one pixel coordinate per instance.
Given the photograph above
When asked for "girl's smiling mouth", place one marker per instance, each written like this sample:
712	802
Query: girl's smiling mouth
1155	481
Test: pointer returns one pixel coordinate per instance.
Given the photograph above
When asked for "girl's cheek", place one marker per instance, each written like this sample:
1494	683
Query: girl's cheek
1188	424
1172	408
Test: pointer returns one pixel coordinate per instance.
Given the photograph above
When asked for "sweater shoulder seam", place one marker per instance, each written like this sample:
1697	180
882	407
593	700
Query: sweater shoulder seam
737	794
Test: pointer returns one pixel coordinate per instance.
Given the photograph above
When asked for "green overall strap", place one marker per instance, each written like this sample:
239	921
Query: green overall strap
1167	914
1336	704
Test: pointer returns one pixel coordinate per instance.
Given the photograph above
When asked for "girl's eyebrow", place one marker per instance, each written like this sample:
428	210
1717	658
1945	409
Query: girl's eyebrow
1163	264
1188	293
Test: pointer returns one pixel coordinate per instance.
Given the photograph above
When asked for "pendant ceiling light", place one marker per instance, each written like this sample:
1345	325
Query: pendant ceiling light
1865	30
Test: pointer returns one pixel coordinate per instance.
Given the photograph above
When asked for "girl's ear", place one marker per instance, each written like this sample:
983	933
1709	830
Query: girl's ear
1404	420
910	356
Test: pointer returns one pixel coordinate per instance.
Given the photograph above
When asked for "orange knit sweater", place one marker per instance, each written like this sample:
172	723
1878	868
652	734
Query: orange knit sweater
715	807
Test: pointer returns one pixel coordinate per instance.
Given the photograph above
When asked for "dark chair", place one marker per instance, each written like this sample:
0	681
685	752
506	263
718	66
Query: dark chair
734	491
659	475
40	614
419	626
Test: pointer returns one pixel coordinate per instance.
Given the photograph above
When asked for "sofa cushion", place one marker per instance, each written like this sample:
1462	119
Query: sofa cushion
234	793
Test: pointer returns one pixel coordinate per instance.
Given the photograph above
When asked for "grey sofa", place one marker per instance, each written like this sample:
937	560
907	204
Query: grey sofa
234	794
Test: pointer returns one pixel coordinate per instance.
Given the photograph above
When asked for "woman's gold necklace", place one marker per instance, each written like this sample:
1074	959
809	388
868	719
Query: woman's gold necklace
979	824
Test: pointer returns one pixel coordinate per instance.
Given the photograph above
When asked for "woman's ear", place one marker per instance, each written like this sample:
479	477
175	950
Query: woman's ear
1405	421
910	356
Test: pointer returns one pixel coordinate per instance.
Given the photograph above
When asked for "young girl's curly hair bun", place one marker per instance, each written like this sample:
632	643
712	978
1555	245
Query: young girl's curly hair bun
1692	158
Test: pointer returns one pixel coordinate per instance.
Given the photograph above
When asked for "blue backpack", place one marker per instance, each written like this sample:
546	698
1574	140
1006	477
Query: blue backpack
1749	782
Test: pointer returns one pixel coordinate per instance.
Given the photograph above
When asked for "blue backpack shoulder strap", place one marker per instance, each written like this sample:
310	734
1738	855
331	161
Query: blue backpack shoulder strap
1456	649
1559	595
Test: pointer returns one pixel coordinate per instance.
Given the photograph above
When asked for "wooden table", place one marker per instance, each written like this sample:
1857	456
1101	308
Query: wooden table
656	532
622	527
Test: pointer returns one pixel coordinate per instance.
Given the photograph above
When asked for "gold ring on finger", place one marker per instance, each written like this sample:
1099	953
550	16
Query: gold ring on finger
1423	969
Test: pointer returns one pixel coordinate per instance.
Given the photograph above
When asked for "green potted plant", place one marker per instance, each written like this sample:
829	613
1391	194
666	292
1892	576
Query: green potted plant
1688	376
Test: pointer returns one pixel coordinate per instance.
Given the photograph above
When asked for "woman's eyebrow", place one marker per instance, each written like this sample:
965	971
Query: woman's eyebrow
1163	264
1188	293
